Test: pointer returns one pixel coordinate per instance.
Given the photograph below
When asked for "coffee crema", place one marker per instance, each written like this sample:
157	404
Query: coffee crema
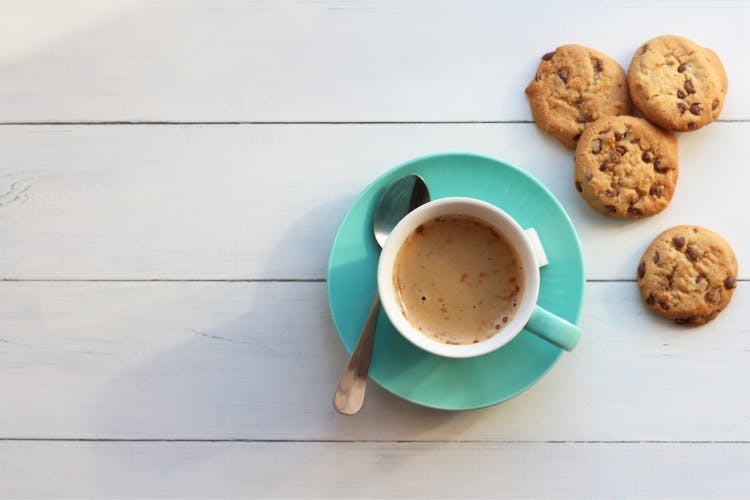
458	280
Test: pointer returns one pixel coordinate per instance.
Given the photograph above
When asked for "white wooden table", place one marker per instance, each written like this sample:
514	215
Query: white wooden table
171	178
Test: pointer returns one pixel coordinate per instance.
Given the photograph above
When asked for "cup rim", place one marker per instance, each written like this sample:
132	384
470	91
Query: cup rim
501	221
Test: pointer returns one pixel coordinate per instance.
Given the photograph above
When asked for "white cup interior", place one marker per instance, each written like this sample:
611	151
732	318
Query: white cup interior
494	217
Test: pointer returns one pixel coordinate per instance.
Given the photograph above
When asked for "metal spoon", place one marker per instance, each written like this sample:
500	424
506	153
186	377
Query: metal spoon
403	196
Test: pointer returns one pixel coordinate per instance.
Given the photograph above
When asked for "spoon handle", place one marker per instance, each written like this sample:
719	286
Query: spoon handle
350	392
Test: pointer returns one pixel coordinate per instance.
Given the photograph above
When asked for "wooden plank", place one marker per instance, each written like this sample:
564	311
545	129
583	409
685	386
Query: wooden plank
261	361
328	60
373	470
264	201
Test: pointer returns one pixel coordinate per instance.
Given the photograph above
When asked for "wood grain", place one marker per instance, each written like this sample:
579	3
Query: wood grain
264	201
334	60
261	361
373	470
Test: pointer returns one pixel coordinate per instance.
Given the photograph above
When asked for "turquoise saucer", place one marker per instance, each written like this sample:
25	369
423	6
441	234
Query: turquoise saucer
426	379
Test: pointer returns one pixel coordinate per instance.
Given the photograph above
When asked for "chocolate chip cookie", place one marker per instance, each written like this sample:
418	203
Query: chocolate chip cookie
676	83
688	274
626	167
573	86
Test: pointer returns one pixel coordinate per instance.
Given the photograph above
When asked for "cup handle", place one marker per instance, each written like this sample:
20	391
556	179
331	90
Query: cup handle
536	245
553	329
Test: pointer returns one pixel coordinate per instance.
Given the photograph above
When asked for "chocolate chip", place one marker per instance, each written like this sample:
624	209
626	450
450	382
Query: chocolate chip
685	321
611	193
598	66
613	155
579	100
621	149
713	296
681	68
682	107
644	48
656	257
596	145
659	166
691	126
692	252
689	87
646	156
678	241
588	176
714	104
681	94
666	282
577	136
699	278
664	305
604	166
650	300
579	188
730	282
586	118
548	56
563	74
610	208
656	190
636	212
641	270
695	108
618	136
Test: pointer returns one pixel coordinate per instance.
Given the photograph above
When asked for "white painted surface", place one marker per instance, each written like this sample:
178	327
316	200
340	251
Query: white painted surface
260	361
374	470
264	201
642	409
335	60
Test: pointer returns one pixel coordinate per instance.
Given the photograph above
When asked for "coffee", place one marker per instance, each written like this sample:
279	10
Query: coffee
458	280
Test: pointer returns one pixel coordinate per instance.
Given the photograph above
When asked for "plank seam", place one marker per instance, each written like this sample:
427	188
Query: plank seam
266	122
163	280
364	441
269	122
227	280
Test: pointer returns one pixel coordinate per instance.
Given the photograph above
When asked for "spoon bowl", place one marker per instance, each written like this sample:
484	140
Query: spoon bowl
403	196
